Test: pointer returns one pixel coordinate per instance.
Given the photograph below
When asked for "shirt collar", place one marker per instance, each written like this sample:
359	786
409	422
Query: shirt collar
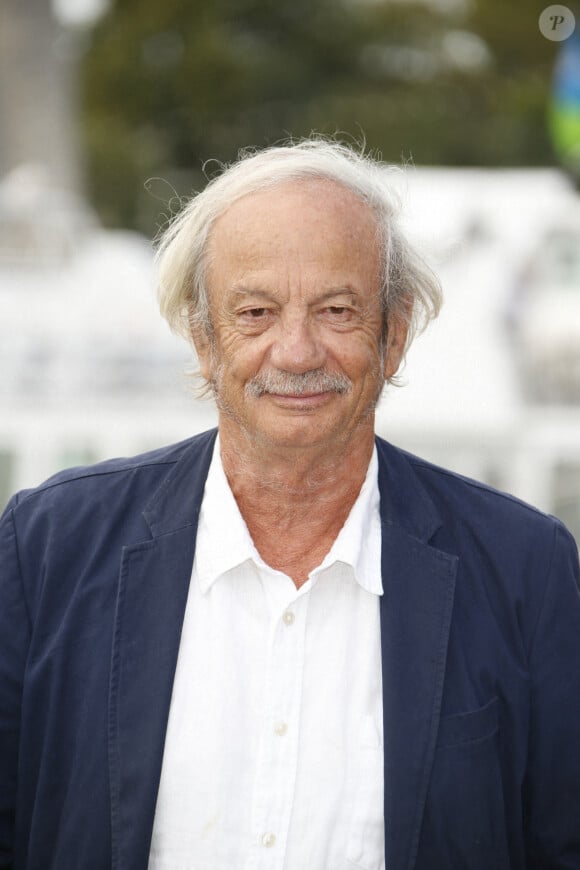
358	543
224	542
223	539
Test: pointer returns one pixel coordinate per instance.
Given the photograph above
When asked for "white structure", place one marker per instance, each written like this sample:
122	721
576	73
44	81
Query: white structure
90	369
493	387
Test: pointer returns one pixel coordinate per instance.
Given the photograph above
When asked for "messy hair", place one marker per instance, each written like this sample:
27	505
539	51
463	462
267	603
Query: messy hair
409	289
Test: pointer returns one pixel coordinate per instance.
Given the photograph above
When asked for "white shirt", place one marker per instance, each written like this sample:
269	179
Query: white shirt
274	750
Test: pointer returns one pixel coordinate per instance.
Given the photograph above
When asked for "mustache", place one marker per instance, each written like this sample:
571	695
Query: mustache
290	384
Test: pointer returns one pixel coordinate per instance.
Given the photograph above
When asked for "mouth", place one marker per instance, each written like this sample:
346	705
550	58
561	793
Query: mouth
300	400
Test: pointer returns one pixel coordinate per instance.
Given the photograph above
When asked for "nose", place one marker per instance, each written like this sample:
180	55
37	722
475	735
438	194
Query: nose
296	347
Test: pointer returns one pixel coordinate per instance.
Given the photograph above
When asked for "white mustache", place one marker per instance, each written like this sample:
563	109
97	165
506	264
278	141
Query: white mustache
288	384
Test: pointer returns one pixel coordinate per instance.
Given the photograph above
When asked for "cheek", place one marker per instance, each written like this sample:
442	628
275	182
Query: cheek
367	367
361	356
240	356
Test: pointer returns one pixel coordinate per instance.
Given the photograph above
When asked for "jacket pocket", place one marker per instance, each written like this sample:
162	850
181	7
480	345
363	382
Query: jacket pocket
464	825
469	727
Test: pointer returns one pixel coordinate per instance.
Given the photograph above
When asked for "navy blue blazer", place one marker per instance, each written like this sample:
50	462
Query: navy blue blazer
480	625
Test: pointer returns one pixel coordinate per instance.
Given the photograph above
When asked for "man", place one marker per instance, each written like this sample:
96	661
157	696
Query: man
289	645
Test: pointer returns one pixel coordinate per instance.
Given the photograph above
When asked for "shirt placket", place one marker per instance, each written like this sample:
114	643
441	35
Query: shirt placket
275	780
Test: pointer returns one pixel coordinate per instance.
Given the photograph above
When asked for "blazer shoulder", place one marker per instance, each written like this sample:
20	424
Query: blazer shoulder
143	470
474	491
462	501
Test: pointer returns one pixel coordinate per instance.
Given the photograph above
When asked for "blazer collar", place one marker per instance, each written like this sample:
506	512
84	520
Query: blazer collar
177	502
404	501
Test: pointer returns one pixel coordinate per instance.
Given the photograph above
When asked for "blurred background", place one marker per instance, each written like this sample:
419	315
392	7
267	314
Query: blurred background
112	113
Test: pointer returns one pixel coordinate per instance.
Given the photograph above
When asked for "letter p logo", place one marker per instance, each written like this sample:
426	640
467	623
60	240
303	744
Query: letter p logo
557	23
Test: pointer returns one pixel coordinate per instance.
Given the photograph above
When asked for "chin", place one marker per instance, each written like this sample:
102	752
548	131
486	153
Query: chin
294	434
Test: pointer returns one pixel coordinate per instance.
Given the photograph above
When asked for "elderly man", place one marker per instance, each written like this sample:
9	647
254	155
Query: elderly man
287	644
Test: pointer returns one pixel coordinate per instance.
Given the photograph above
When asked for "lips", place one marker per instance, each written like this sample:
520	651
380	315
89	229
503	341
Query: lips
298	395
301	400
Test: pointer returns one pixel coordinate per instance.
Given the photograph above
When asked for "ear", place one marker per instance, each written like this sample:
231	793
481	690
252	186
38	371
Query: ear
203	349
397	330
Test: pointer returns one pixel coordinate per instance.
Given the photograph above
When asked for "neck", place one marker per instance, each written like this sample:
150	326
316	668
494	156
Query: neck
287	483
295	501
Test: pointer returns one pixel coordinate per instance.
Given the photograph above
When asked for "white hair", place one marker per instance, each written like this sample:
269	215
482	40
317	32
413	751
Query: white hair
409	289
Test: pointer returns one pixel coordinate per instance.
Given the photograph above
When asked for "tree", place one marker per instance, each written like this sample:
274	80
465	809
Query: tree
167	86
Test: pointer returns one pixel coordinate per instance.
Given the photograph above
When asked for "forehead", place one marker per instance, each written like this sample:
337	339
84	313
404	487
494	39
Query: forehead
304	223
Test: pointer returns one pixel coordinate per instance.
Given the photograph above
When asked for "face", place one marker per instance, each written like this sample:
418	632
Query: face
297	357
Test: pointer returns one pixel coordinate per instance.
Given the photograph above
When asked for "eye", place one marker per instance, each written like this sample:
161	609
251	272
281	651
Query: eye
338	312
254	313
254	319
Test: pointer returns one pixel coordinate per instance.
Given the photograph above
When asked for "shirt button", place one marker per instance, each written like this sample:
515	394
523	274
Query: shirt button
280	728
288	617
268	840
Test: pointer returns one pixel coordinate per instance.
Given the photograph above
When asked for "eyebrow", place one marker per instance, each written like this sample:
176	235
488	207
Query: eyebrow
247	291
347	290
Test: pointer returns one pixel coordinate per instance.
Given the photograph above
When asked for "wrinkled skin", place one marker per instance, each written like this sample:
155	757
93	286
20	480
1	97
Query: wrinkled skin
293	278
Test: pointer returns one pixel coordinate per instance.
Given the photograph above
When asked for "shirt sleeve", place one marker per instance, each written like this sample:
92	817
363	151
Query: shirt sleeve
552	787
14	640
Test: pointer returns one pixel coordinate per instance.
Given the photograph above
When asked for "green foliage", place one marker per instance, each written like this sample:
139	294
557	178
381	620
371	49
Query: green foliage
167	86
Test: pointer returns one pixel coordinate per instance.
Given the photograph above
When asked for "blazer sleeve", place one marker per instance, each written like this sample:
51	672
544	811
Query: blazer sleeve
553	781
14	641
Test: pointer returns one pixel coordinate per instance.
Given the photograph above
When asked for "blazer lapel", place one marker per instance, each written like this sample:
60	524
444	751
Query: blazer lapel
416	608
152	594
